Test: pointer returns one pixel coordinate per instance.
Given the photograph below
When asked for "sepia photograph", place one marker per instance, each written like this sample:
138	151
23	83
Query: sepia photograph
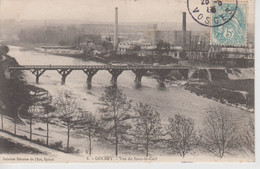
127	81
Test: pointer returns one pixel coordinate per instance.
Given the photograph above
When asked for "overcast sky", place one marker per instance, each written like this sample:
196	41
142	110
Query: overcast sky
98	10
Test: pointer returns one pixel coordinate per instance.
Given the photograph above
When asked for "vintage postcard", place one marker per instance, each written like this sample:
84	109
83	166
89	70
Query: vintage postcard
127	81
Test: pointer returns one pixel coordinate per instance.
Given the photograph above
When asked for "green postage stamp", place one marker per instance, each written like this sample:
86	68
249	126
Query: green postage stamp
234	32
227	20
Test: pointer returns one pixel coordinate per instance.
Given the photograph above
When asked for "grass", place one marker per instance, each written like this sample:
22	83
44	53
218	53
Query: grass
7	146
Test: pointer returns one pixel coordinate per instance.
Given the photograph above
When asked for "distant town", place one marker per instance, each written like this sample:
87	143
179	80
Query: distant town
149	41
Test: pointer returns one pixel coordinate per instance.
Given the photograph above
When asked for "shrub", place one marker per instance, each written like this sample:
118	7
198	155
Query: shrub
72	149
174	74
56	145
39	141
24	137
4	49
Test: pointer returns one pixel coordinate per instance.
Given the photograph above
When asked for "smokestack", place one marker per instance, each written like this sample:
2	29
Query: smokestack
116	30
45	25
183	30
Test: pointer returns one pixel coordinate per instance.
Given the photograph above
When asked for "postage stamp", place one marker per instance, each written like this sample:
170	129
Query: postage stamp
234	32
227	20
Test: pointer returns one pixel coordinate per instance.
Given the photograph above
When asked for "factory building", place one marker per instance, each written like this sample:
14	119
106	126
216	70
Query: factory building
184	44
174	38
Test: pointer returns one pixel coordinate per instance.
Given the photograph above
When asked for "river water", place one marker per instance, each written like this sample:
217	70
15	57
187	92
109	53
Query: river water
172	100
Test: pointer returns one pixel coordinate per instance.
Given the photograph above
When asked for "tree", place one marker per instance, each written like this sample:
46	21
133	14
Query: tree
147	126
2	107
67	112
163	47
15	96
115	113
4	50
35	109
88	50
248	136
183	137
2	121
96	39
14	92
32	112
137	48
107	45
219	135
48	115
88	126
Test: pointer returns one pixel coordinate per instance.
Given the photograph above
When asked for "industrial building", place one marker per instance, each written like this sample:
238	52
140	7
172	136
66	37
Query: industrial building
184	44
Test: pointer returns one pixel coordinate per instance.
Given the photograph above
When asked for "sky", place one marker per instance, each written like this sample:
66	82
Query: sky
99	10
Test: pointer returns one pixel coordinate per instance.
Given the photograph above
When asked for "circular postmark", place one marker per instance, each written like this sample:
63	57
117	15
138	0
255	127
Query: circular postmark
212	13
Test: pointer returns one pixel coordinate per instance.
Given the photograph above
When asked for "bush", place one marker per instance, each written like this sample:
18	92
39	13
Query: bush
183	137
23	137
56	145
72	149
40	129
220	134
174	74
39	141
4	49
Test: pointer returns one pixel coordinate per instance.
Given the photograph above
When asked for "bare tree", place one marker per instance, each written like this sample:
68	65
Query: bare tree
219	135
48	115
67	112
248	136
147	126
88	126
33	112
2	121
183	137
35	109
115	113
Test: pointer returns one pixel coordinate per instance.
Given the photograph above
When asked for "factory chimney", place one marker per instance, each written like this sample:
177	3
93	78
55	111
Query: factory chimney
116	30
183	30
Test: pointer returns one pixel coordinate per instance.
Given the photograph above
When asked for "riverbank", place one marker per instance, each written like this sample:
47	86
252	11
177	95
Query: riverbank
231	88
14	90
131	59
236	93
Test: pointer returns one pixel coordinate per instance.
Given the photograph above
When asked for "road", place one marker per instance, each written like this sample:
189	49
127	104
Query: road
48	151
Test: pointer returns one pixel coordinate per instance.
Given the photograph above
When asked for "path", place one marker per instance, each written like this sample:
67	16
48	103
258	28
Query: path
48	151
3	58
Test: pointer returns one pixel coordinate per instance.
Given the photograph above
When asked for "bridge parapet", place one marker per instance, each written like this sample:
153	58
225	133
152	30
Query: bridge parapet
99	67
114	70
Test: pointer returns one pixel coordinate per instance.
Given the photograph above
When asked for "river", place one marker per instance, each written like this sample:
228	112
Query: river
172	100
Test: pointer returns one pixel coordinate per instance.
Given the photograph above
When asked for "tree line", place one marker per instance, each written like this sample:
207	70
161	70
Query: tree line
62	35
66	36
139	127
51	34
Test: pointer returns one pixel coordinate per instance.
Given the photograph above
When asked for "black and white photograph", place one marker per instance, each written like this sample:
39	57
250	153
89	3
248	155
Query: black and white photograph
127	81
